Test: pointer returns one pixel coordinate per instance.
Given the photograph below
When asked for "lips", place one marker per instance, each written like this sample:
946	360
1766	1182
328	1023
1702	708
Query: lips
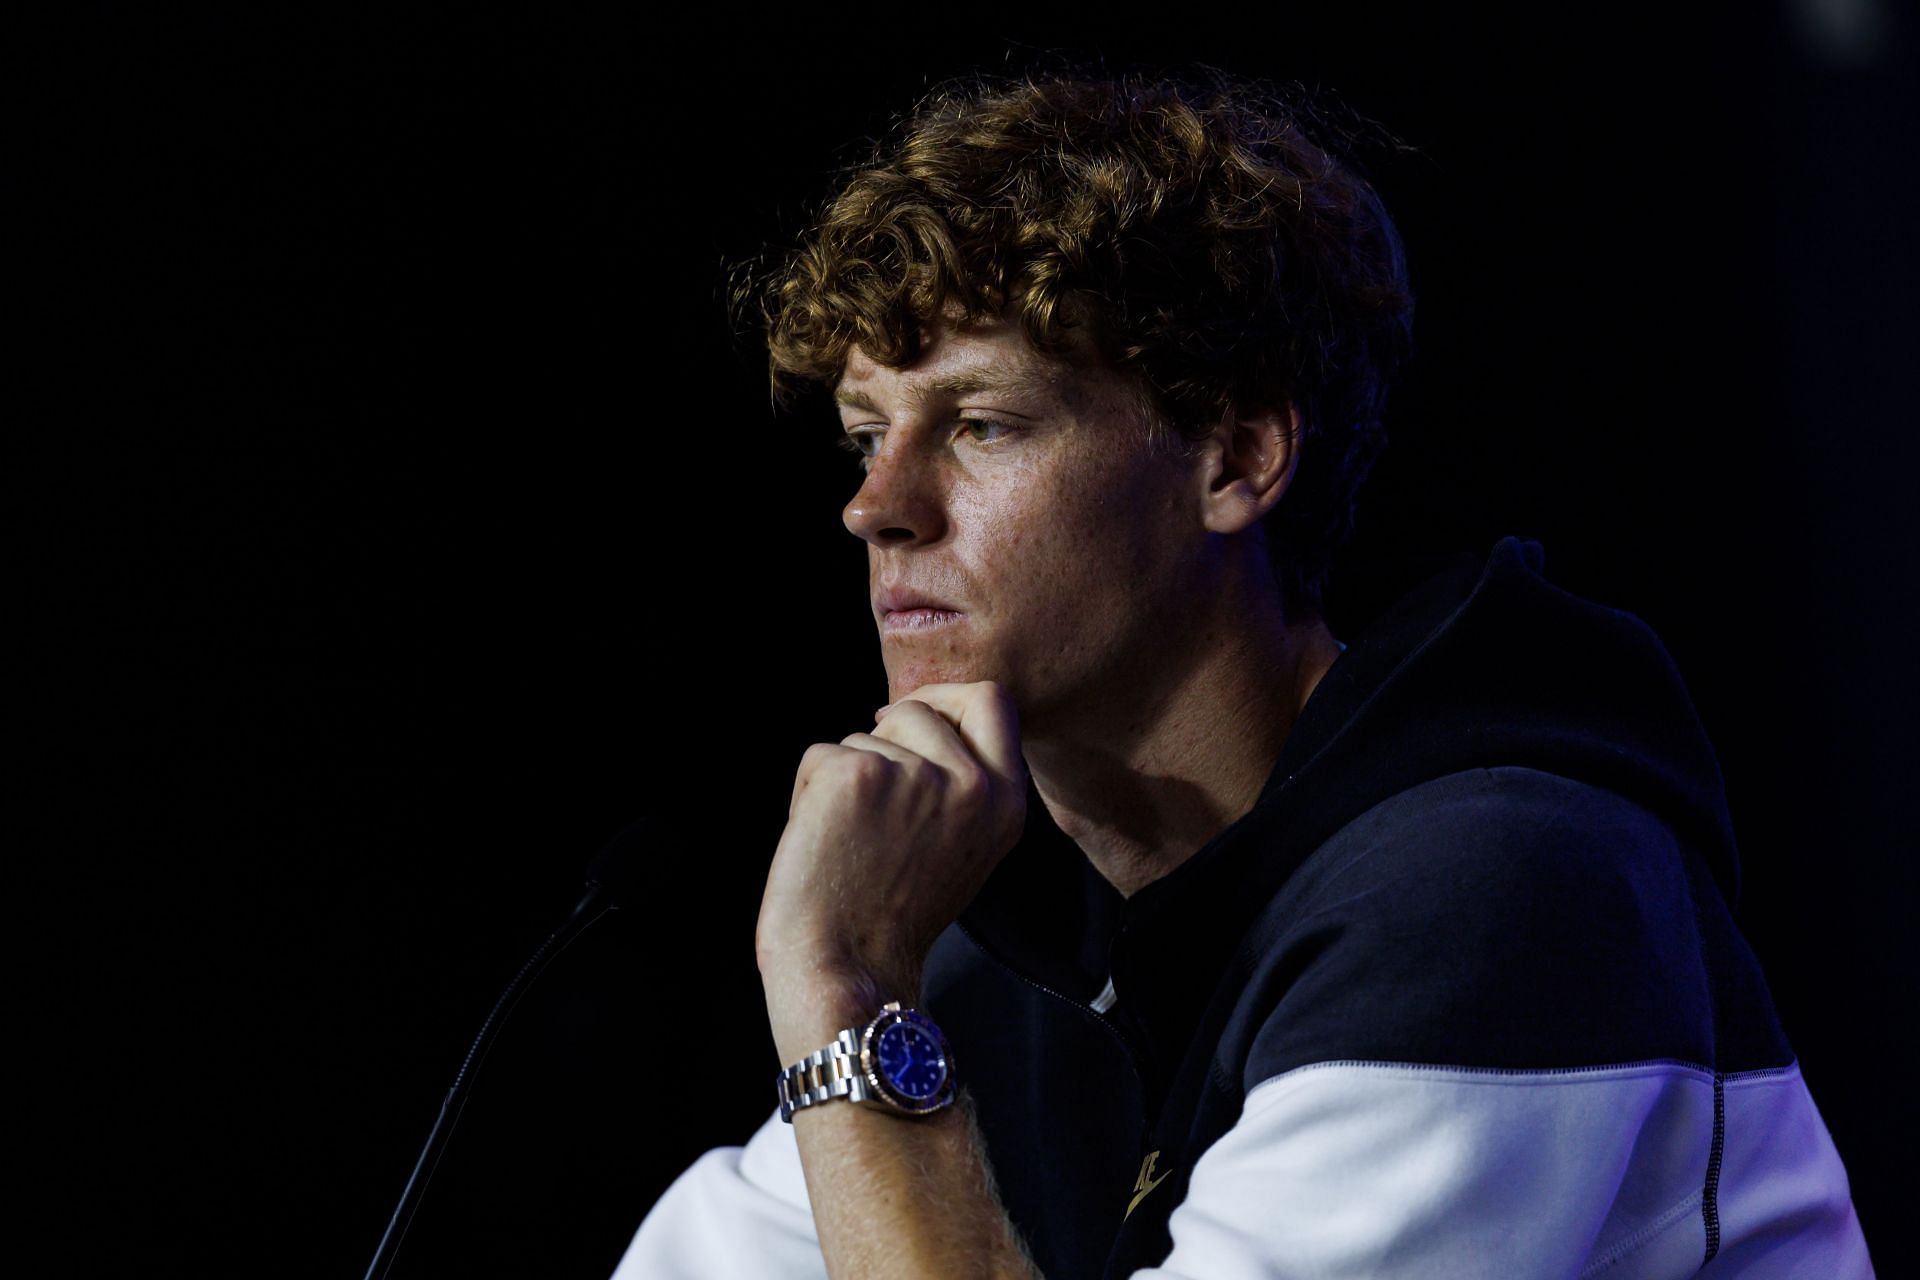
905	600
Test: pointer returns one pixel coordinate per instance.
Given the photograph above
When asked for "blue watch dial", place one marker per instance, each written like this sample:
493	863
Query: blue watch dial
911	1061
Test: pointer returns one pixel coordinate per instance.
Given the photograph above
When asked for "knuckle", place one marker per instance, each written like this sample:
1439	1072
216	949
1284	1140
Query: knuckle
868	768
972	784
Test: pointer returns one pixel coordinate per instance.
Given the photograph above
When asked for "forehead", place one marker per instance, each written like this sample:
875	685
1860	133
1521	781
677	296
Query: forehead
990	357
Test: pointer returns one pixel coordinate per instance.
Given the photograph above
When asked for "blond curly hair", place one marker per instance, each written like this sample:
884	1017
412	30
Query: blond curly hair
1190	228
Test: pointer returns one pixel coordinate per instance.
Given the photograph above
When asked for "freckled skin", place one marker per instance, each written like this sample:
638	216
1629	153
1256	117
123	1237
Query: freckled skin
1073	549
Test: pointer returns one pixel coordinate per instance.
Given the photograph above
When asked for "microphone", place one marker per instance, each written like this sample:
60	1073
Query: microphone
609	880
613	869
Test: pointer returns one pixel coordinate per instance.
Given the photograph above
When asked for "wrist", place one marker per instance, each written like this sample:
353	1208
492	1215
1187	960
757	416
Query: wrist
807	1006
897	1061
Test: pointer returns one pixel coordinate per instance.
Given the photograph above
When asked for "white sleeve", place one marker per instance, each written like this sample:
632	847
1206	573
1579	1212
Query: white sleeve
1350	1169
735	1212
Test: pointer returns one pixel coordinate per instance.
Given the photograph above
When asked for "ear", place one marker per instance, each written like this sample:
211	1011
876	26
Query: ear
1246	464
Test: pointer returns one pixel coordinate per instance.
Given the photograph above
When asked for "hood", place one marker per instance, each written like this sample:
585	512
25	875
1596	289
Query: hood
1485	663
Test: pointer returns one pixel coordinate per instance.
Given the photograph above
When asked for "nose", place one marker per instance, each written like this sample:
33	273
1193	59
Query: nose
899	503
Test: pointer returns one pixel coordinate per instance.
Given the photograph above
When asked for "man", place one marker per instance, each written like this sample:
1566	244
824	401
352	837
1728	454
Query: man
1235	950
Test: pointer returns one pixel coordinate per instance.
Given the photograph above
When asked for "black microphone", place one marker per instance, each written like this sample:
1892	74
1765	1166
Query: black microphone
610	877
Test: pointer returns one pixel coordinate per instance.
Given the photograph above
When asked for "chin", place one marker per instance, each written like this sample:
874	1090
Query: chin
906	674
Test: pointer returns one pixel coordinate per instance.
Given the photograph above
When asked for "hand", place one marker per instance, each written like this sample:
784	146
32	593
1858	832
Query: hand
889	835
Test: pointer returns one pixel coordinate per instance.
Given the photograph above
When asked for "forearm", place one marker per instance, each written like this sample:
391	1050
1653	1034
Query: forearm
889	835
905	1197
895	1196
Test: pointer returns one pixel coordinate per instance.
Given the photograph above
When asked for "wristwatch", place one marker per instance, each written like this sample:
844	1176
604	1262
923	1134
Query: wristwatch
899	1062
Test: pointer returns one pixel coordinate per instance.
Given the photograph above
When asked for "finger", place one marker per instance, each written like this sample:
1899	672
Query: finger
919	728
881	746
984	716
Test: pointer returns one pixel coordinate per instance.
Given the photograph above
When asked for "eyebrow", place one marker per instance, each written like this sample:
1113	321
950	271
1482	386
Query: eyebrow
952	384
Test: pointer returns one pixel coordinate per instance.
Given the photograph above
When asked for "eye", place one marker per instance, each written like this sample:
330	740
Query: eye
858	442
975	426
865	441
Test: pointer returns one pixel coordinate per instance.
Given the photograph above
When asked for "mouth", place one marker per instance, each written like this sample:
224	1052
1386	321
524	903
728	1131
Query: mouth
904	609
919	618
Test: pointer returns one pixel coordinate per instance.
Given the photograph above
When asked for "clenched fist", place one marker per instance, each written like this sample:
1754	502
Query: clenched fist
889	835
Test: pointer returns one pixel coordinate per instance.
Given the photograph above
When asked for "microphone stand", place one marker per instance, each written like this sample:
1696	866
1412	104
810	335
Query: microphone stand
596	902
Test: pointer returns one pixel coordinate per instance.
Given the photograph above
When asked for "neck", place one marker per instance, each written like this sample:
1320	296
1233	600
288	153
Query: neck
1145	782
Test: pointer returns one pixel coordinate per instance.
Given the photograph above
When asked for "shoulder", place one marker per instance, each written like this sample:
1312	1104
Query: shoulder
1503	917
1491	850
1536	830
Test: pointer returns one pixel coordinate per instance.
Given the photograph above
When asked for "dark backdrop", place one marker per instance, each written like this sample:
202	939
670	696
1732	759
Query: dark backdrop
410	519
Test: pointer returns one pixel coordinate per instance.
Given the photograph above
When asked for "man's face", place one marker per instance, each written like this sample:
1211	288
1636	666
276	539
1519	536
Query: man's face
1019	526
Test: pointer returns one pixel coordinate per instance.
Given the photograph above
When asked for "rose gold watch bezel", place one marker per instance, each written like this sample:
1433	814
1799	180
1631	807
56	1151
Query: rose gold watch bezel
877	1086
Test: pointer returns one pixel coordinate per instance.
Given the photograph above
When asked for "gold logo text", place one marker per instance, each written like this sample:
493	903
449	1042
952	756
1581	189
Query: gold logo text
1145	1182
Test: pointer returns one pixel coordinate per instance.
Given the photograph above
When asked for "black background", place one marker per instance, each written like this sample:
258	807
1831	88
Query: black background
407	518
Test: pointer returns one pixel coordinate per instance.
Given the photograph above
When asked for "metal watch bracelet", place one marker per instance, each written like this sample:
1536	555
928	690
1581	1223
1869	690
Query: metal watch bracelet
827	1073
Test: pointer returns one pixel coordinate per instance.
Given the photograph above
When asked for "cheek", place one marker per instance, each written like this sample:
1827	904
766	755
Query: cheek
1003	540
1120	520
1098	537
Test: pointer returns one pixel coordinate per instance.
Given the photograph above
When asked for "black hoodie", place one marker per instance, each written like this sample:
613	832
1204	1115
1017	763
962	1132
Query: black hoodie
1462	994
1496	837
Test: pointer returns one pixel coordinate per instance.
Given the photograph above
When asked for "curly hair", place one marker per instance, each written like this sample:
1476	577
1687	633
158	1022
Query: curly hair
1193	230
